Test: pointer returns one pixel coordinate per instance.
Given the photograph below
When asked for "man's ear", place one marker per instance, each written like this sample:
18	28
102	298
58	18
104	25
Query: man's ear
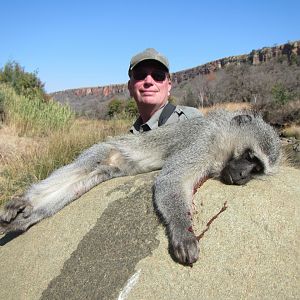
129	86
169	85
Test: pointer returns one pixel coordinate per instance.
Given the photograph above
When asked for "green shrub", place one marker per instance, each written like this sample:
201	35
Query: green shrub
115	107
122	109
280	94
24	83
131	108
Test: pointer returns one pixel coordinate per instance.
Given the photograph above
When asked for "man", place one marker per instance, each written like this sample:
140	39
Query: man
150	85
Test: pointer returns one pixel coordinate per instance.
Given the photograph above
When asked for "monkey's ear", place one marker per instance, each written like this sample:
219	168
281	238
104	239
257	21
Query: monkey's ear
241	120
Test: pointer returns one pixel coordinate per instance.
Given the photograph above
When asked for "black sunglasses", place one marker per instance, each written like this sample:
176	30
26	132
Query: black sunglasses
157	75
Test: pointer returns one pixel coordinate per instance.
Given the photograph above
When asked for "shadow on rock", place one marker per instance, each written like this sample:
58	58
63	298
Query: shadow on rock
105	258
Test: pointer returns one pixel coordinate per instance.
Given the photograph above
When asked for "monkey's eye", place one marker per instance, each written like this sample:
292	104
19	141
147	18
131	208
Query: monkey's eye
258	165
258	168
248	155
251	158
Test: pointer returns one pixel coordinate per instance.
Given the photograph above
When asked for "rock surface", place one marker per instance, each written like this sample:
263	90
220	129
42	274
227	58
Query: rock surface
109	244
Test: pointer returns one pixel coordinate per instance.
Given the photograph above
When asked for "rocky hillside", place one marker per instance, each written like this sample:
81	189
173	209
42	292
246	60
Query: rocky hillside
91	101
255	57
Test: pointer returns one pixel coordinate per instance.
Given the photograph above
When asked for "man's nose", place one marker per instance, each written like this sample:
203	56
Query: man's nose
148	79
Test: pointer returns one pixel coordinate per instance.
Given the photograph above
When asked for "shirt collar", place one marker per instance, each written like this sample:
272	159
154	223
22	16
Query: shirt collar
150	124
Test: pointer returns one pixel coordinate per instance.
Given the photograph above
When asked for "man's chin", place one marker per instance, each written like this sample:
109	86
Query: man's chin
149	100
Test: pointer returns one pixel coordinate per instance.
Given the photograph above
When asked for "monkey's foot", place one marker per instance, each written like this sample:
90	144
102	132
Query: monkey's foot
15	215
185	247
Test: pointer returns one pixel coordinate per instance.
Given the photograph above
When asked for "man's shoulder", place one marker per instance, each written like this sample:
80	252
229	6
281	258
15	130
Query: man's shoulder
181	113
188	111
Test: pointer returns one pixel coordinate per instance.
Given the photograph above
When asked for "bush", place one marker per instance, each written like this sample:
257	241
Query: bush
122	109
114	107
131	108
24	83
280	94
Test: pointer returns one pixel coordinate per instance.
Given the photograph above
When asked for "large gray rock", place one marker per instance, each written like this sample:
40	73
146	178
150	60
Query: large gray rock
110	244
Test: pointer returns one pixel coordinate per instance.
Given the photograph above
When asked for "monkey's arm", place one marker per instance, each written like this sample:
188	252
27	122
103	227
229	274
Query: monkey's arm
97	164
173	200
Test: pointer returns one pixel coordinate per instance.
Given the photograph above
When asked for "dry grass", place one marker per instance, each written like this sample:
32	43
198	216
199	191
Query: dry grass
24	160
292	131
231	106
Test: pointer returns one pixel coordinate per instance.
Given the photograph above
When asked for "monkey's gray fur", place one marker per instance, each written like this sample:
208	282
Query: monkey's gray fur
231	146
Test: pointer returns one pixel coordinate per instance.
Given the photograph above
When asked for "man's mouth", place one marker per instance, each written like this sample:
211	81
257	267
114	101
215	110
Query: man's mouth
147	93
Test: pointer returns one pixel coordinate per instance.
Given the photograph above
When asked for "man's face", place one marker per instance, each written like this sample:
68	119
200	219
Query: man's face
148	90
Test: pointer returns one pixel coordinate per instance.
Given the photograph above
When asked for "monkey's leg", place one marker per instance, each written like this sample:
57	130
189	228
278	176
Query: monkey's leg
45	198
173	200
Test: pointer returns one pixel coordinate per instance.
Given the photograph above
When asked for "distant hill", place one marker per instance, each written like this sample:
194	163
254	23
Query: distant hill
254	77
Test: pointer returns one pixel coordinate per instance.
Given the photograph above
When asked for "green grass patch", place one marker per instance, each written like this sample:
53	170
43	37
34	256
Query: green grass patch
34	116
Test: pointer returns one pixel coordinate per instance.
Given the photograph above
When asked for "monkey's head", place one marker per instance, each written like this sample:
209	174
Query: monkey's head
242	169
256	150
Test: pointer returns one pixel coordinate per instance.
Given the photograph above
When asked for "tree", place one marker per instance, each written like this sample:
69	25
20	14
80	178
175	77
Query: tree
114	107
24	83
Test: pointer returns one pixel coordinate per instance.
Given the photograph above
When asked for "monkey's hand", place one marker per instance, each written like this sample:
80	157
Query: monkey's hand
184	245
15	215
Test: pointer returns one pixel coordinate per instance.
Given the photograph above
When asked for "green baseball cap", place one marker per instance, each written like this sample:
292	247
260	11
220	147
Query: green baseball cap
148	54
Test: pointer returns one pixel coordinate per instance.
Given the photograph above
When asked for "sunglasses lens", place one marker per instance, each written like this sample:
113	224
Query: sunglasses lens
140	75
157	75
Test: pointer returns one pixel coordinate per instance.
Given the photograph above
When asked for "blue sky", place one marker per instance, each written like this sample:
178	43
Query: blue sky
88	43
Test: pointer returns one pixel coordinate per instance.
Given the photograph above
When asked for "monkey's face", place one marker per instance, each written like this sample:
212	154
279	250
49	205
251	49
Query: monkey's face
242	169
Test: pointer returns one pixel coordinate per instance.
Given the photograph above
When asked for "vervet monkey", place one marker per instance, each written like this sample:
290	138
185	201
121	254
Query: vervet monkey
231	146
